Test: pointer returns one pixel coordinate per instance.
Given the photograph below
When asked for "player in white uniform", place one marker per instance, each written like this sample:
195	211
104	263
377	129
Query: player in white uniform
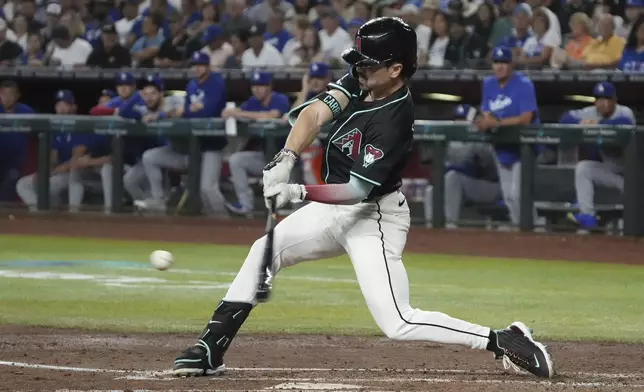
359	210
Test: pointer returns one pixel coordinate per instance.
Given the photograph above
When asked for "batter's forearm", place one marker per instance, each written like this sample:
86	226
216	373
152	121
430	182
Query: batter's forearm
303	133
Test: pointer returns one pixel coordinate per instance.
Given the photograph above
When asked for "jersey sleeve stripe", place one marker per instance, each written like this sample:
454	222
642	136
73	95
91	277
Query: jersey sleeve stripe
342	89
365	178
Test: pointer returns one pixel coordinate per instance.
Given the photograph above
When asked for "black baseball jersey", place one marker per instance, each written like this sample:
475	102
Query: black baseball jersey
372	141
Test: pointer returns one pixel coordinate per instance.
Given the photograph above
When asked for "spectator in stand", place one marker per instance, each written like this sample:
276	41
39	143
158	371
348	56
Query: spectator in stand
581	35
190	12
109	53
19	27
321	7
52	18
314	82
209	16
333	38
362	10
502	27
239	42
260	12
176	50
427	12
536	51
300	24
33	56
572	7
553	36
236	20
411	14
217	49
276	34
309	50
158	8
171	6
603	52
28	10
633	55
354	25
607	169
145	49
72	20
260	54
9	50
13	145
92	23
66	146
521	17
68	51
124	25
264	104
484	21
343	8
302	8
439	41
465	49
634	8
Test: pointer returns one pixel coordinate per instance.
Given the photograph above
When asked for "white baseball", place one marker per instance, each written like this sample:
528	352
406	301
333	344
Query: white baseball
161	259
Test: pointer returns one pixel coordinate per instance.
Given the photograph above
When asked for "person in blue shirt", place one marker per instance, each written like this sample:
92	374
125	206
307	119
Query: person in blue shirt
125	88
322	7
66	147
263	104
276	34
146	47
633	55
13	145
508	99
521	17
606	168
470	175
314	82
205	98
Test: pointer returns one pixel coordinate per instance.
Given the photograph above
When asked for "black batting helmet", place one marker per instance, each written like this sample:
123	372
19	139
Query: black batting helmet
384	40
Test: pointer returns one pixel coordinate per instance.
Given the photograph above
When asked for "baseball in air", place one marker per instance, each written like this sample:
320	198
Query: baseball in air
161	259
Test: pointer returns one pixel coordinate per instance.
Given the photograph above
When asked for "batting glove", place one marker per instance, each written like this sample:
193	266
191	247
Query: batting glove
284	193
278	170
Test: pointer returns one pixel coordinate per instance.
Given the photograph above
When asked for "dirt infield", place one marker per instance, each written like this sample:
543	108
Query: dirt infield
50	359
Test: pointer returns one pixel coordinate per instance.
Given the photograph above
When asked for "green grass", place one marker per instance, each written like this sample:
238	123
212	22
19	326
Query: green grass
560	300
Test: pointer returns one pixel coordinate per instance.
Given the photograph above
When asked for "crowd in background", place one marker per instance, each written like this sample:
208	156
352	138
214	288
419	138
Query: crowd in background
574	34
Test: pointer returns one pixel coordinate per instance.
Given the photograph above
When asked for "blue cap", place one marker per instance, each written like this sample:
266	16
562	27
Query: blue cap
212	33
124	78
318	70
502	54
356	22
635	3
108	92
199	58
522	8
152	80
462	111
261	78
604	90
65	96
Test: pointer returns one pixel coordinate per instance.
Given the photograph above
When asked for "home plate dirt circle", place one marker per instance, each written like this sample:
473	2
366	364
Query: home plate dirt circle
45	359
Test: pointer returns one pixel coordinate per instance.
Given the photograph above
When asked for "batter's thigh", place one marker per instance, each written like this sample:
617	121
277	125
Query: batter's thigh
304	235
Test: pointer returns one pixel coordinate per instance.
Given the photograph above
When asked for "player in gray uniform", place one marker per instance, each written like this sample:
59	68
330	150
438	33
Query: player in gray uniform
471	174
607	170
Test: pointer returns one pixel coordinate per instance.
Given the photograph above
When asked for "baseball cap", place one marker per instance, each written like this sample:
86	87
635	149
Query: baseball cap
108	92
152	80
522	8
261	78
122	78
256	30
200	58
53	9
604	90
502	54
108	29
212	33
318	70
65	96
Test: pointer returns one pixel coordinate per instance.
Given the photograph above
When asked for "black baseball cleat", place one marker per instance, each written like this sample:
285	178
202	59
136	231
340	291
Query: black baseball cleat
520	352
197	361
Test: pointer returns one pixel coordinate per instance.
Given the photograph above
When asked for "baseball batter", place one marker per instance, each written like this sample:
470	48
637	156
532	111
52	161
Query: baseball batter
359	210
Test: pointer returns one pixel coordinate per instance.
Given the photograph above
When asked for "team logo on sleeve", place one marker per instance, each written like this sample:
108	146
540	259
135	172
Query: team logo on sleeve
371	154
349	143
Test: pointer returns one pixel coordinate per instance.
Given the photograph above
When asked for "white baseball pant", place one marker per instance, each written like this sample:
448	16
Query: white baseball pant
373	234
588	174
26	188
243	163
510	181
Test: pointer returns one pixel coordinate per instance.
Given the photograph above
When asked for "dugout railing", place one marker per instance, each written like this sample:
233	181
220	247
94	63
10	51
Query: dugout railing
435	133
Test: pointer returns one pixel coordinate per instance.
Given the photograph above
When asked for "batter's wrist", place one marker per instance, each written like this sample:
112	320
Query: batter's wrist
291	153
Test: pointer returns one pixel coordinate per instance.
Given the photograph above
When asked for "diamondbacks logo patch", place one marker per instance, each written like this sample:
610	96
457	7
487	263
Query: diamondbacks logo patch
371	154
350	143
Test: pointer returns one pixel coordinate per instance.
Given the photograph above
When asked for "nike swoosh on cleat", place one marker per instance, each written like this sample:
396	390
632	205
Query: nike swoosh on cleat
214	322
537	361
